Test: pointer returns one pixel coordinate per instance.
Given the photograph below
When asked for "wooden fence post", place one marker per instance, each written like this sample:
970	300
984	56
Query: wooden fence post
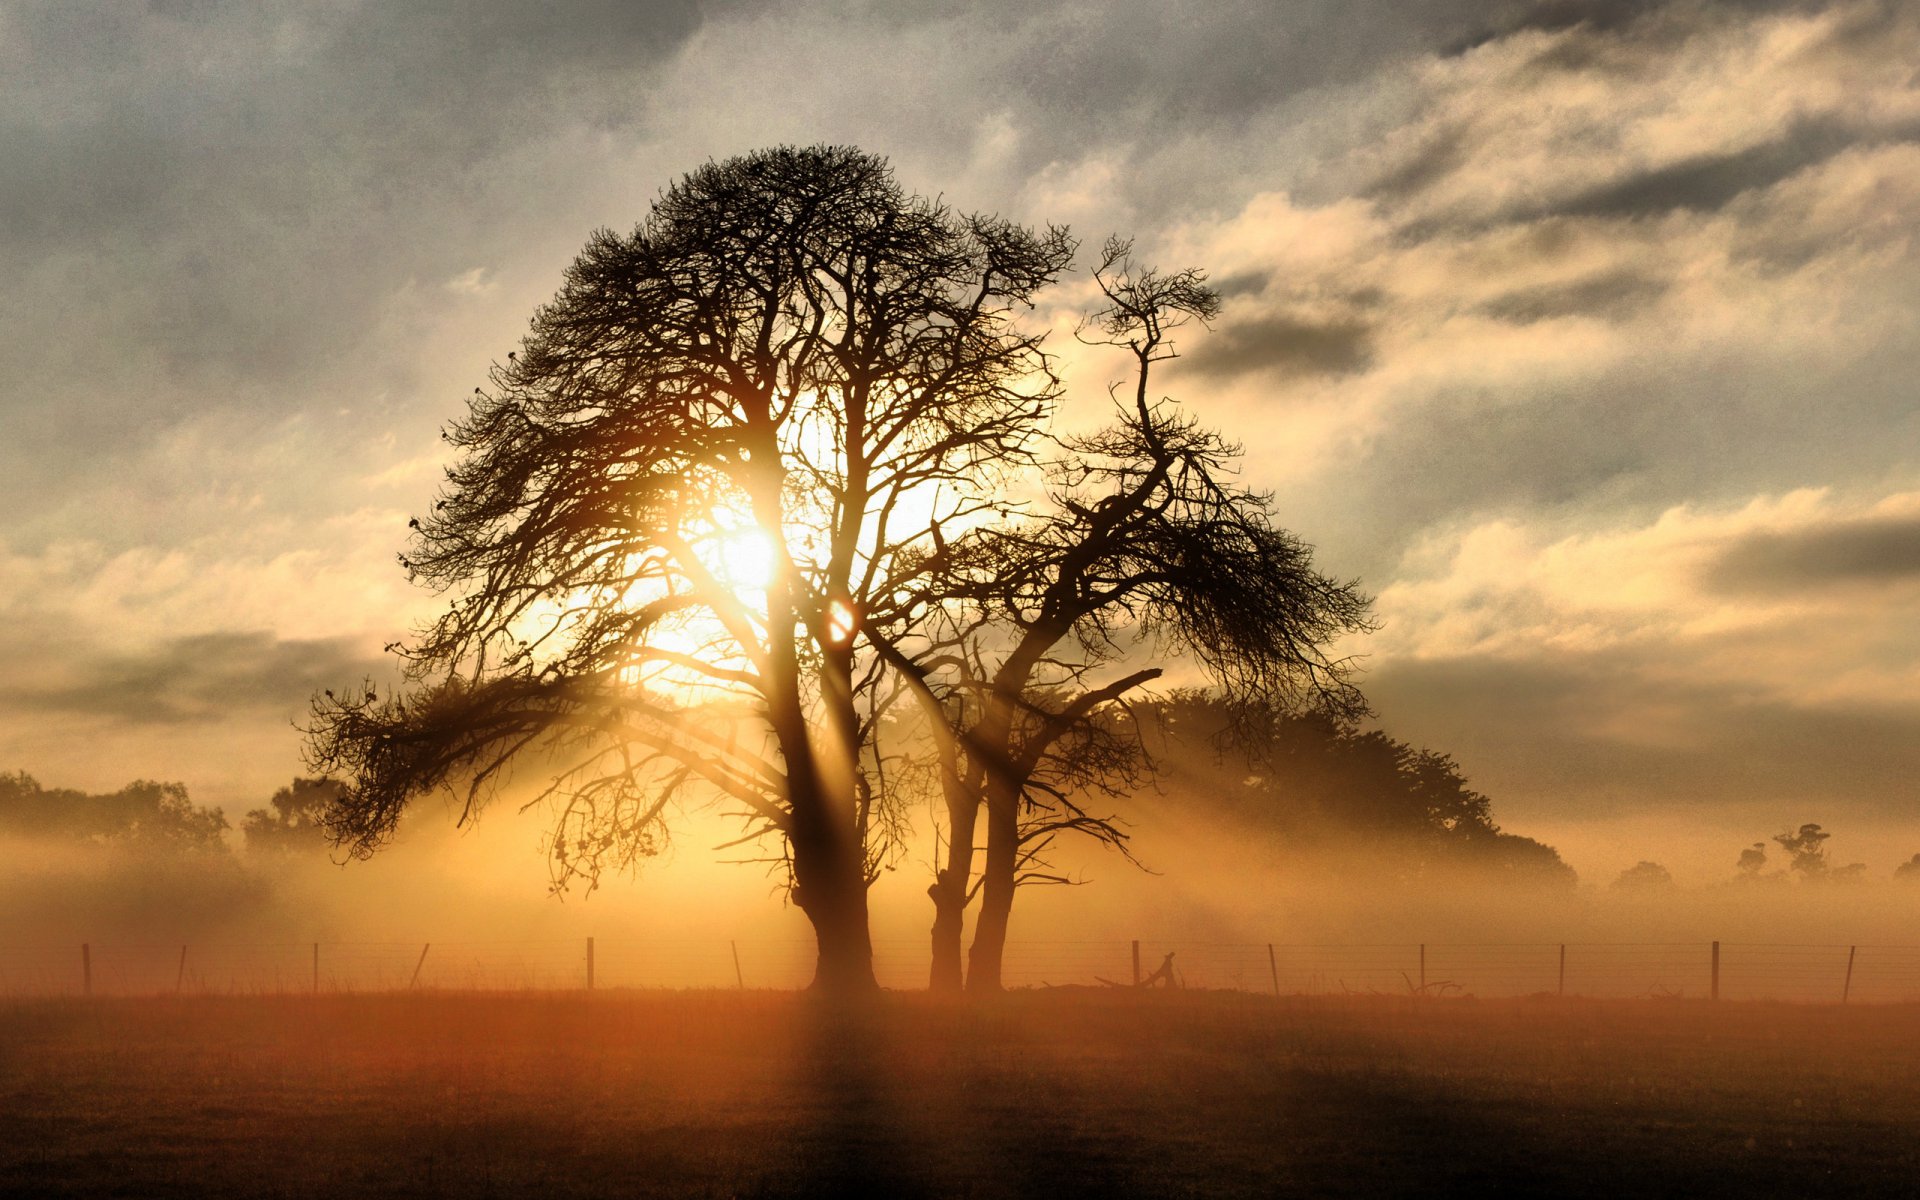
1847	988
1273	965
589	964
86	968
1561	990
1136	962
739	980
1715	993
418	965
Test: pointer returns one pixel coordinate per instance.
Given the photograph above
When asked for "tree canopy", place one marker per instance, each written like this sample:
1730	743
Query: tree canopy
145	814
724	454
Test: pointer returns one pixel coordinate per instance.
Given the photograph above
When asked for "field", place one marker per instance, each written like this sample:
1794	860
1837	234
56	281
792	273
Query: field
1063	1092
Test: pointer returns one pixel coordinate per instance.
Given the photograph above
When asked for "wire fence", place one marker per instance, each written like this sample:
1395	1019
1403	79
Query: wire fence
1874	974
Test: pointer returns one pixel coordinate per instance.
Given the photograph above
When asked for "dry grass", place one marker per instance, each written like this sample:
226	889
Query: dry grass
1060	1093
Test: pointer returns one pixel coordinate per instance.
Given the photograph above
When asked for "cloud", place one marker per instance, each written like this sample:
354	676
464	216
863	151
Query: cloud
1863	550
1282	342
205	678
1698	661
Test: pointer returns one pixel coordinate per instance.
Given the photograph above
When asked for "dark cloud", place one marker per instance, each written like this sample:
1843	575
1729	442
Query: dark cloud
1613	295
203	678
1283	343
1710	181
1623	733
1604	16
1880	550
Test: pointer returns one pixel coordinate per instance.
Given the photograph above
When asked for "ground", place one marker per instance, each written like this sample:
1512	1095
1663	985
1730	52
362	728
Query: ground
1047	1093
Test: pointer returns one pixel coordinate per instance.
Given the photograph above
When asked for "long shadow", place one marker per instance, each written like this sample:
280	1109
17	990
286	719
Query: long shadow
849	1135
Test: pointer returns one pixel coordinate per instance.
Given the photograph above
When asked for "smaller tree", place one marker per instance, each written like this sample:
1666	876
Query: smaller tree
293	819
1753	860
1909	871
1807	851
1643	878
144	815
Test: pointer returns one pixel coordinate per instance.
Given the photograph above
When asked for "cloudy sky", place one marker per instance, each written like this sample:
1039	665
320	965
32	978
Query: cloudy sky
1585	333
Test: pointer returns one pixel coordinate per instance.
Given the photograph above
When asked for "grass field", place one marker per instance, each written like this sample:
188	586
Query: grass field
1050	1093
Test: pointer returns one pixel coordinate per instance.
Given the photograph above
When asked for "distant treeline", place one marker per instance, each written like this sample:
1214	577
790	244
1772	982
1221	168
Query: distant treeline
147	815
1322	785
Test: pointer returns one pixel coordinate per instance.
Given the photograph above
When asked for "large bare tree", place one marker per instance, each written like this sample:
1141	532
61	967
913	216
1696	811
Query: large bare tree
1145	547
686	508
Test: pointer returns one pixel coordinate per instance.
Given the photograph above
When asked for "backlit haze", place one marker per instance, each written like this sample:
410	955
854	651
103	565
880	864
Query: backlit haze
1584	334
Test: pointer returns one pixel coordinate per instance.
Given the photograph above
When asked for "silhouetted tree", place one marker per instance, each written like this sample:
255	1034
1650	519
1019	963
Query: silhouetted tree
145	815
1806	849
1909	871
293	819
1326	786
1644	877
1143	541
789	356
1753	860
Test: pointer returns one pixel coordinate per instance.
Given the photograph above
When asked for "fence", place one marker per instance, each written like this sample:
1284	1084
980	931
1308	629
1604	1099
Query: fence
1711	970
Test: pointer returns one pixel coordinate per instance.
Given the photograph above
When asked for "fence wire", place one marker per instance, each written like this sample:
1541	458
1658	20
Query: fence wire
1868	974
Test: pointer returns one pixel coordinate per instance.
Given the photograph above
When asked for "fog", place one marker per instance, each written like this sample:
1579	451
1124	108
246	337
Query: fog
1217	890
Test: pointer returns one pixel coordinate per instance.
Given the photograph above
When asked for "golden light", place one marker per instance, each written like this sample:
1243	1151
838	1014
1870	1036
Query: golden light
841	622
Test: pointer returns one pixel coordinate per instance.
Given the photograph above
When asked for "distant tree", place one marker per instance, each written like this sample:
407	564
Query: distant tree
715	476
293	819
1908	871
1327	786
145	815
1806	850
1642	878
1753	860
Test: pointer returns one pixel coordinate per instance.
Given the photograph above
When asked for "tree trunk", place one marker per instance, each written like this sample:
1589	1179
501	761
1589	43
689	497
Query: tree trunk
831	889
949	891
996	895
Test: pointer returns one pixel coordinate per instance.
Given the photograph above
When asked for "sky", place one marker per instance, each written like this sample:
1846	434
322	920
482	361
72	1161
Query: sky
1582	333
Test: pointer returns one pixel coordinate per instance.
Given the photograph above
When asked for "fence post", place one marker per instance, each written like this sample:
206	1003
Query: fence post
1136	962
1561	990
1847	989
1423	968
1273	964
418	965
589	964
739	980
86	968
1715	994
181	978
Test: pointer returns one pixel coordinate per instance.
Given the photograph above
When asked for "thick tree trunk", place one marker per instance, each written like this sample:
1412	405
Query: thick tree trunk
831	889
949	892
996	893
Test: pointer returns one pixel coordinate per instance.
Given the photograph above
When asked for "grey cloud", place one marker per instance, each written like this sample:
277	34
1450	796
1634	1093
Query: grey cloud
1883	550
1553	16
1283	343
1708	182
1596	735
202	678
1614	295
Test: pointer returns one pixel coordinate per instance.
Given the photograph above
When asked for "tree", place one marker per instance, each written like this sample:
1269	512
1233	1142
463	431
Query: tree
723	458
144	815
1025	637
1643	878
1322	786
1753	860
1908	871
1807	853
293	819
